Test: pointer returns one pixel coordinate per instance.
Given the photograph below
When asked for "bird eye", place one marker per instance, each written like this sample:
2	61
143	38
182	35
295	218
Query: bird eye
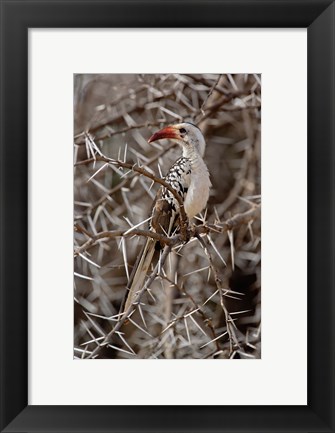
182	130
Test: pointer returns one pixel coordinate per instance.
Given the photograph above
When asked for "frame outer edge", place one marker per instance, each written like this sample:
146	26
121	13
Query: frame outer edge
14	169
14	267
321	215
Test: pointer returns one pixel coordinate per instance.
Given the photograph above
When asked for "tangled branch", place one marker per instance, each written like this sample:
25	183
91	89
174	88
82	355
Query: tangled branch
231	223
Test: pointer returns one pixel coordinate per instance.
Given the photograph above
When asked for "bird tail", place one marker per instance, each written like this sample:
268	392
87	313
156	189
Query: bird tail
139	273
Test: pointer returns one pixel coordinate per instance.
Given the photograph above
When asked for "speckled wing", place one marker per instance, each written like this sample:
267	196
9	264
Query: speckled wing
165	212
164	218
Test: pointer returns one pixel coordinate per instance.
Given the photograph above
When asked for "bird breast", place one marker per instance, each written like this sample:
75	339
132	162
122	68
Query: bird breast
198	191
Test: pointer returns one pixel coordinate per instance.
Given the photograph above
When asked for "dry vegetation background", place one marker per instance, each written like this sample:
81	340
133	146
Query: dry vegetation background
205	302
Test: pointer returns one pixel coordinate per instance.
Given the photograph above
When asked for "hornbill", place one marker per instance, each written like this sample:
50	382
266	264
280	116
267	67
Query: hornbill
189	177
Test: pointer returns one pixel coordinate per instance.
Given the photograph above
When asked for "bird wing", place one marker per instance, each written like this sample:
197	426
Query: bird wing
164	216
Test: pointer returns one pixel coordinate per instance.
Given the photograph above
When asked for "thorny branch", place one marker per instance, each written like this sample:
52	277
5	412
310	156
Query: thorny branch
144	172
197	309
114	120
233	341
133	306
124	182
120	131
231	223
93	239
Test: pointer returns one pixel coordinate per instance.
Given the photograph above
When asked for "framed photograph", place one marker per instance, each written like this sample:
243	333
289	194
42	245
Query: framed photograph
169	312
167	216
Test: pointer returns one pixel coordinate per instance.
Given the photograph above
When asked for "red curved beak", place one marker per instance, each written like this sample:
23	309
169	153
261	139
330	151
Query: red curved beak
167	132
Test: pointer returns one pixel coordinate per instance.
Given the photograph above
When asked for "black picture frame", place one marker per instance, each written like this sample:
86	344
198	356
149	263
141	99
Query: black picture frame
16	18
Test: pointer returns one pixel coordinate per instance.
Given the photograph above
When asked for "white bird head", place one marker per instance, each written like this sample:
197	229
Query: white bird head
187	135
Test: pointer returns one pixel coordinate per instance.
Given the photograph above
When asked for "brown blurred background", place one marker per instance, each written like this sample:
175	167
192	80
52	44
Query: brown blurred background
118	113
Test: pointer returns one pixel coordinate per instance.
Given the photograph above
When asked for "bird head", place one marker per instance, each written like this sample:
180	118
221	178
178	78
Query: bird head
187	135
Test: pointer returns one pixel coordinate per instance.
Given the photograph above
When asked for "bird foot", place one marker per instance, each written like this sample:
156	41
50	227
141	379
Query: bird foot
188	233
